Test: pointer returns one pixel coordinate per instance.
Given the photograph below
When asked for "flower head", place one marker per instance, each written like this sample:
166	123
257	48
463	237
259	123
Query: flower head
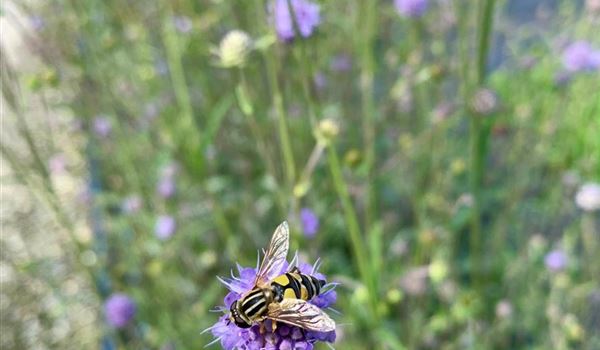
580	56
307	18
119	310
102	126
132	204
556	260
234	49
183	24
165	227
411	8
166	187
285	336
588	197
310	222
57	163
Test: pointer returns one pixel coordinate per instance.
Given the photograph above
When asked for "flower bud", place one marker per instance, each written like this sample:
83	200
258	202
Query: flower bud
327	130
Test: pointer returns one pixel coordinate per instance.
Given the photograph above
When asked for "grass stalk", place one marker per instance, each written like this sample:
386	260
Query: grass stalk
476	141
351	218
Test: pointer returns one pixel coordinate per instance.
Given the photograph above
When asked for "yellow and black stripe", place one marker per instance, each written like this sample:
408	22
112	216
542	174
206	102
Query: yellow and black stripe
297	285
254	304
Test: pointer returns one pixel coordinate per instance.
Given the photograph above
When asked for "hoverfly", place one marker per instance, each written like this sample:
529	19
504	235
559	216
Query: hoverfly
283	298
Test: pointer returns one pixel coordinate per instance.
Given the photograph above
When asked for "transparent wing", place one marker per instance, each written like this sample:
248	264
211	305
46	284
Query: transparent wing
297	312
275	254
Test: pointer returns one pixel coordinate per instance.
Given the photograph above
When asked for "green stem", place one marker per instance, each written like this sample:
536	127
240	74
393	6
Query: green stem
476	140
368	105
284	135
358	246
184	131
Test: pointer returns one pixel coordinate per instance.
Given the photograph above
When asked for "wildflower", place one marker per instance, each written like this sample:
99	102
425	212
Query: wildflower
102	126
166	187
580	56
588	196
320	81
411	8
504	309
307	18
414	282
310	222
132	204
119	310
341	63
484	102
234	49
57	163
37	23
165	227
327	130
183	24
593	6
556	260
285	336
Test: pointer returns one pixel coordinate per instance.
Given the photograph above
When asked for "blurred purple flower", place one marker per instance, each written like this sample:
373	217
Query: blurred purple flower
183	24
341	63
37	22
286	336
588	196
556	260
412	8
165	227
320	81
306	13
166	187
309	221
57	163
132	204
580	56
119	310
102	126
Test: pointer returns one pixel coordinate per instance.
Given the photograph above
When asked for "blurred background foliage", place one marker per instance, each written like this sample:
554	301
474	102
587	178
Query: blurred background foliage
446	166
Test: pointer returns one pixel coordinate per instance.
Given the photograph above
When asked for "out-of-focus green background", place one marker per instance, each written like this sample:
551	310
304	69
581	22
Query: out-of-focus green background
452	162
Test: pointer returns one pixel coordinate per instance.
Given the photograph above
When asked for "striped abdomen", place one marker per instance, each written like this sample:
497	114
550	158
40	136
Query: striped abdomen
296	285
254	304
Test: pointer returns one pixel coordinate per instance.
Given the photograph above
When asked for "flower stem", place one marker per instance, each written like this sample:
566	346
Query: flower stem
184	126
368	105
358	246
284	135
476	141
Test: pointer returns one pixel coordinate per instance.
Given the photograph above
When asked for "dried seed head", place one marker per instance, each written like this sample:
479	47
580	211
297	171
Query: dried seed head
234	49
484	102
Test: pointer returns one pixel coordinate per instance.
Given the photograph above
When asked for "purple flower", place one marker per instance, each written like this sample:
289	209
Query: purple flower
183	24
285	336
580	56
341	63
57	163
320	81
556	260
102	126
37	22
411	8
165	227
166	187
588	197
119	310
306	13
132	204
309	221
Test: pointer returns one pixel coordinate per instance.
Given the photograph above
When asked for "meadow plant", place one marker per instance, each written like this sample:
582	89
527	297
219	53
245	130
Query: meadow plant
442	157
